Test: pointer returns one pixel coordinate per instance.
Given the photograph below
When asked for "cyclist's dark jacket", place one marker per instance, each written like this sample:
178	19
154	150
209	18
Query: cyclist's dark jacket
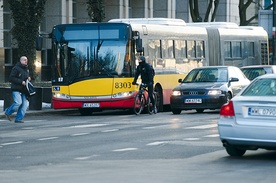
146	71
19	74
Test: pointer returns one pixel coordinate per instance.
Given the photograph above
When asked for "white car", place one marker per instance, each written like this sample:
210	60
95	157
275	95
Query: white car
253	71
248	121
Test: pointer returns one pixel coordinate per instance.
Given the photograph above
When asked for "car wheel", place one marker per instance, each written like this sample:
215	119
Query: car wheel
233	151
199	110
228	97
176	111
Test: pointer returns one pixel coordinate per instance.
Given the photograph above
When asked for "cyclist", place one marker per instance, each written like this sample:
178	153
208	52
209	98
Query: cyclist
147	74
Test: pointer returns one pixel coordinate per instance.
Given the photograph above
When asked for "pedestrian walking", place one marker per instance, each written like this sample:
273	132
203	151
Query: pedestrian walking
18	77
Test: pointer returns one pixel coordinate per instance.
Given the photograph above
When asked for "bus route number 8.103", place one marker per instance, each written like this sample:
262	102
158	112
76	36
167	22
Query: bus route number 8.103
119	85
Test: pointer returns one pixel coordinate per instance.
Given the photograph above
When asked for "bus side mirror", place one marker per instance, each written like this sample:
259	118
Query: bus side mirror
139	47
38	43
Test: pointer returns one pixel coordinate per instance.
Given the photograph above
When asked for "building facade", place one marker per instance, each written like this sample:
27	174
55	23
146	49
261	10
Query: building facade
75	11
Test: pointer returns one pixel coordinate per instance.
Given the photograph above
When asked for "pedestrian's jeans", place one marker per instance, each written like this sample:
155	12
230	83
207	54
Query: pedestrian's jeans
20	105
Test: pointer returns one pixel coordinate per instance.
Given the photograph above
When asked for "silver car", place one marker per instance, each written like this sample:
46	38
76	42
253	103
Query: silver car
248	121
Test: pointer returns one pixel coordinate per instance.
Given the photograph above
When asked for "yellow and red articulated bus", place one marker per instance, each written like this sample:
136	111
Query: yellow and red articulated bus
94	63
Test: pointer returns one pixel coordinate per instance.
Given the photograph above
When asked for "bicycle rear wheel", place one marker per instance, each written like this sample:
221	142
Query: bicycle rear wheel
151	107
139	103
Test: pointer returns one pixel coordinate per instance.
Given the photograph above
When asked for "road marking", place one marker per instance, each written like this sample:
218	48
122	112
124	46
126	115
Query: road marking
38	120
202	126
48	138
86	126
156	143
125	149
83	158
191	139
112	130
158	126
28	128
12	143
79	134
86	157
213	135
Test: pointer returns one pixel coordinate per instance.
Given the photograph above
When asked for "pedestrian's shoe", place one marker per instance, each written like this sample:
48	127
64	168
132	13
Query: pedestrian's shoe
155	110
19	121
8	117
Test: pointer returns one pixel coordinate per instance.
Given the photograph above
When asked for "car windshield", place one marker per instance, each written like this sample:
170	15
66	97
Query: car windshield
207	75
261	87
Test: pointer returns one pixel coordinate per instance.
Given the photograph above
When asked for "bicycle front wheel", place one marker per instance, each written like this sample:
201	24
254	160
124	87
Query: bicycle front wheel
139	103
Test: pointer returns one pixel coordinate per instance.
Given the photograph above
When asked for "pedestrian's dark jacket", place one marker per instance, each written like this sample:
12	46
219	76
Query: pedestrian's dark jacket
146	71
19	74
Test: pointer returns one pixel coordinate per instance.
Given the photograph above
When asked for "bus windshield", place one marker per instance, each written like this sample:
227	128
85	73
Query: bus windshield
93	53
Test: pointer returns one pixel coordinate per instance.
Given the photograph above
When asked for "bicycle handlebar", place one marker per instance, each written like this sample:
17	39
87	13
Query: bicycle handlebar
141	84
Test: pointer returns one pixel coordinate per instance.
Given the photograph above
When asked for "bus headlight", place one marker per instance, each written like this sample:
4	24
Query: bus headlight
214	92
176	93
123	94
61	96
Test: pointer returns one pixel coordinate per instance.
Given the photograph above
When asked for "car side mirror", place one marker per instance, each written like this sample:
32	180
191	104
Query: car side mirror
234	79
180	80
139	47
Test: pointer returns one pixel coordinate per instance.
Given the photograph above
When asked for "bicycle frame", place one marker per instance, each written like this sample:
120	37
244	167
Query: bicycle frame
142	100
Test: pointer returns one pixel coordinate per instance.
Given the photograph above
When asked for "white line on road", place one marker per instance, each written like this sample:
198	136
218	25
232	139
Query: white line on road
156	143
202	126
48	138
86	126
112	130
83	158
12	143
157	126
125	149
191	139
79	134
86	157
212	135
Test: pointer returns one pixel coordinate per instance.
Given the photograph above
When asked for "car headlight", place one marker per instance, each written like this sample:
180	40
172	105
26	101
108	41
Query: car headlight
214	92
176	93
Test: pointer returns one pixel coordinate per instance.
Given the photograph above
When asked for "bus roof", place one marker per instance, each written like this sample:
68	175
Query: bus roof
158	21
215	24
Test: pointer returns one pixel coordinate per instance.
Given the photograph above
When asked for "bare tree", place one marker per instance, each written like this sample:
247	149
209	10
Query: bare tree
243	6
193	5
95	9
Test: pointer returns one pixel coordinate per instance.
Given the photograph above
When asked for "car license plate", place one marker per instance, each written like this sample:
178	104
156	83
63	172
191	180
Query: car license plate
261	111
90	105
193	100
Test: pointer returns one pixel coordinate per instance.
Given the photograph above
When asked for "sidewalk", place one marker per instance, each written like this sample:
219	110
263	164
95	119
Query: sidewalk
46	107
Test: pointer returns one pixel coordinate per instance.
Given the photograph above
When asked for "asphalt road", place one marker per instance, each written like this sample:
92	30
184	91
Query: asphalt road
115	146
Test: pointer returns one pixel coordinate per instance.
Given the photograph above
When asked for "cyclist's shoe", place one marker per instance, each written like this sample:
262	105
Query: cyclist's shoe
155	110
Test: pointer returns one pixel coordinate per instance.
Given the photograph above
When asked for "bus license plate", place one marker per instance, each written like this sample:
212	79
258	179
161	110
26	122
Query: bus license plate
193	100
90	105
261	112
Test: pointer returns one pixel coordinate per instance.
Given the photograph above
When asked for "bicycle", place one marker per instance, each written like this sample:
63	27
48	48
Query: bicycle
142	100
